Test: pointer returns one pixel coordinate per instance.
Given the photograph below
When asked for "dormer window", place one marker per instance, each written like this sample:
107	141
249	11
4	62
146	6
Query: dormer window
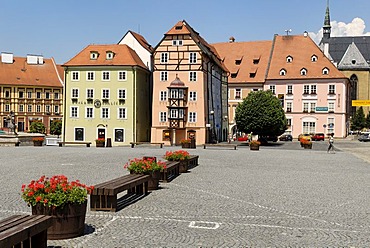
325	71
238	61
303	72
94	55
109	55
314	58
282	72
289	59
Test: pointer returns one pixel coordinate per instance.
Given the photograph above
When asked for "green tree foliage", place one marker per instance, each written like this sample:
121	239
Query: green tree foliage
56	127
368	120
358	121
37	127
261	113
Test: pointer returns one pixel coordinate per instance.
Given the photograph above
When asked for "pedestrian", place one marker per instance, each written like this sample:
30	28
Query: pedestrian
331	143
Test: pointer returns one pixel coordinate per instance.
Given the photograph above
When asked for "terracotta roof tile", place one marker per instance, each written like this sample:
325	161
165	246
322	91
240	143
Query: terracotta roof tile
21	73
123	55
301	48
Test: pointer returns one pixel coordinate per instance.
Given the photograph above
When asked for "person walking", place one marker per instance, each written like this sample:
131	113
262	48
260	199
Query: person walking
331	143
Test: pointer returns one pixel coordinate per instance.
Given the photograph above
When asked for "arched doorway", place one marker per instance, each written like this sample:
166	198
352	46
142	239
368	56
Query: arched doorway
353	91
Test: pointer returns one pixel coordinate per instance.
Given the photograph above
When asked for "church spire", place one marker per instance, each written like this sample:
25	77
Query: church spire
327	27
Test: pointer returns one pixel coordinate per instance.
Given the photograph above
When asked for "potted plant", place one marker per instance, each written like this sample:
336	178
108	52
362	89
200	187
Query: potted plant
65	201
181	156
38	141
185	143
254	145
149	166
100	142
307	144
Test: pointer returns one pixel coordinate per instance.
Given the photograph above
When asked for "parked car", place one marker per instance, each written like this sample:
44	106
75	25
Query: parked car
318	137
243	138
364	137
306	136
265	139
286	137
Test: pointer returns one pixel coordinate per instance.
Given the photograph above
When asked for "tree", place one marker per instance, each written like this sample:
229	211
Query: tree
358	120
37	127
261	113
56	127
368	120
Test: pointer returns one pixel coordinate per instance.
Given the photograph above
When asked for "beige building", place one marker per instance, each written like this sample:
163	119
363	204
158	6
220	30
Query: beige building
189	89
31	89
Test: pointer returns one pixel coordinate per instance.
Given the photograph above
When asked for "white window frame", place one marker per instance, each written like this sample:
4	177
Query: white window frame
192	117
120	92
331	88
75	93
282	72
162	116
122	75
330	120
7	107
163	95
164	76
325	71
305	107
313	58
238	93
56	109
303	72
21	108
90	76
289	107
119	117
105	93
192	58
313	89
29	94
123	136
104	74
289	59
29	108
38	108
312	107
87	112
164	57
192	76
306	89
272	88
192	96
75	75
177	42
89	93
104	111
47	108
331	106
309	127
289	89
74	112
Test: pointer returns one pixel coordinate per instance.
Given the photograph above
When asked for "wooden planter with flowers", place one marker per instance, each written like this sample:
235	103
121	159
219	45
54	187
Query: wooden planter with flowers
100	142
306	144
254	145
64	201
185	143
38	141
147	166
180	156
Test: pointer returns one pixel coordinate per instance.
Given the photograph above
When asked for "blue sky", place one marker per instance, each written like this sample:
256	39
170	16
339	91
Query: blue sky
60	29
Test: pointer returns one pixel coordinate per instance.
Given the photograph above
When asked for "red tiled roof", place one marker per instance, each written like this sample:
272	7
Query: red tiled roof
123	55
245	53
301	48
21	73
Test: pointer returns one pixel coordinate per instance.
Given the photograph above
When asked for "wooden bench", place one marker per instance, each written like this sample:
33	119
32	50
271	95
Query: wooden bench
171	171
220	145
193	161
145	143
63	143
104	195
25	231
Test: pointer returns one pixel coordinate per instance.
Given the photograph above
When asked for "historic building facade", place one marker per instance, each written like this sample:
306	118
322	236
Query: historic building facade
107	96
189	89
31	89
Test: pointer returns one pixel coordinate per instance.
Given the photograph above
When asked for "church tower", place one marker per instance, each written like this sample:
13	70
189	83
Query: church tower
327	27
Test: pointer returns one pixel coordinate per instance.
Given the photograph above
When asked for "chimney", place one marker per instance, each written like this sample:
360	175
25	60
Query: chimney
7	58
305	34
231	39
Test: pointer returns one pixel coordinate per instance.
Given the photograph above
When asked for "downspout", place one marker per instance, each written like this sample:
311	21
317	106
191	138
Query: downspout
64	104
134	106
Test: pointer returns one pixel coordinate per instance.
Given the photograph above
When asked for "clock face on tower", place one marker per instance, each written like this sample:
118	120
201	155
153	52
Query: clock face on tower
97	103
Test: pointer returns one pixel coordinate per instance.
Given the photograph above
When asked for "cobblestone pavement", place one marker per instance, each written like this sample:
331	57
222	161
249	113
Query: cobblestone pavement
280	196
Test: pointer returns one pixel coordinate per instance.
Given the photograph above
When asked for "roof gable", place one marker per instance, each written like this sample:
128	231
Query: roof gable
353	59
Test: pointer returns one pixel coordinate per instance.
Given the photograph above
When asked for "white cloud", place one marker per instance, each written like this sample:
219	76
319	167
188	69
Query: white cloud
354	28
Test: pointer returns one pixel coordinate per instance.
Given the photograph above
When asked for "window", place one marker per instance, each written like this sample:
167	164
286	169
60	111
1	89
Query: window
313	89
192	96
192	58
105	93
56	109
89	93
105	75
109	55
56	95
164	76
331	89
192	117
306	89
163	95
314	58
74	112
79	134
29	108
122	75
164	58
312	107
309	127
272	88
282	72
7	94
29	94
176	42
163	116
305	107
89	112
47	108
289	89
38	108
289	59
7	108
38	95
119	134
177	113
75	76
289	107
21	94
238	93
94	55
289	122
47	95
21	108
331	107
121	113
325	71
303	72
192	76
330	125
74	93
105	113
122	94
90	76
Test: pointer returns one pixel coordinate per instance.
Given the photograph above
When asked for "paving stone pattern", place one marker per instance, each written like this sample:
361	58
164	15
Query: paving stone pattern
280	196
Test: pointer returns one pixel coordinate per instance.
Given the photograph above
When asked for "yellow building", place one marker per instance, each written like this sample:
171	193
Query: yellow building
107	96
31	89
